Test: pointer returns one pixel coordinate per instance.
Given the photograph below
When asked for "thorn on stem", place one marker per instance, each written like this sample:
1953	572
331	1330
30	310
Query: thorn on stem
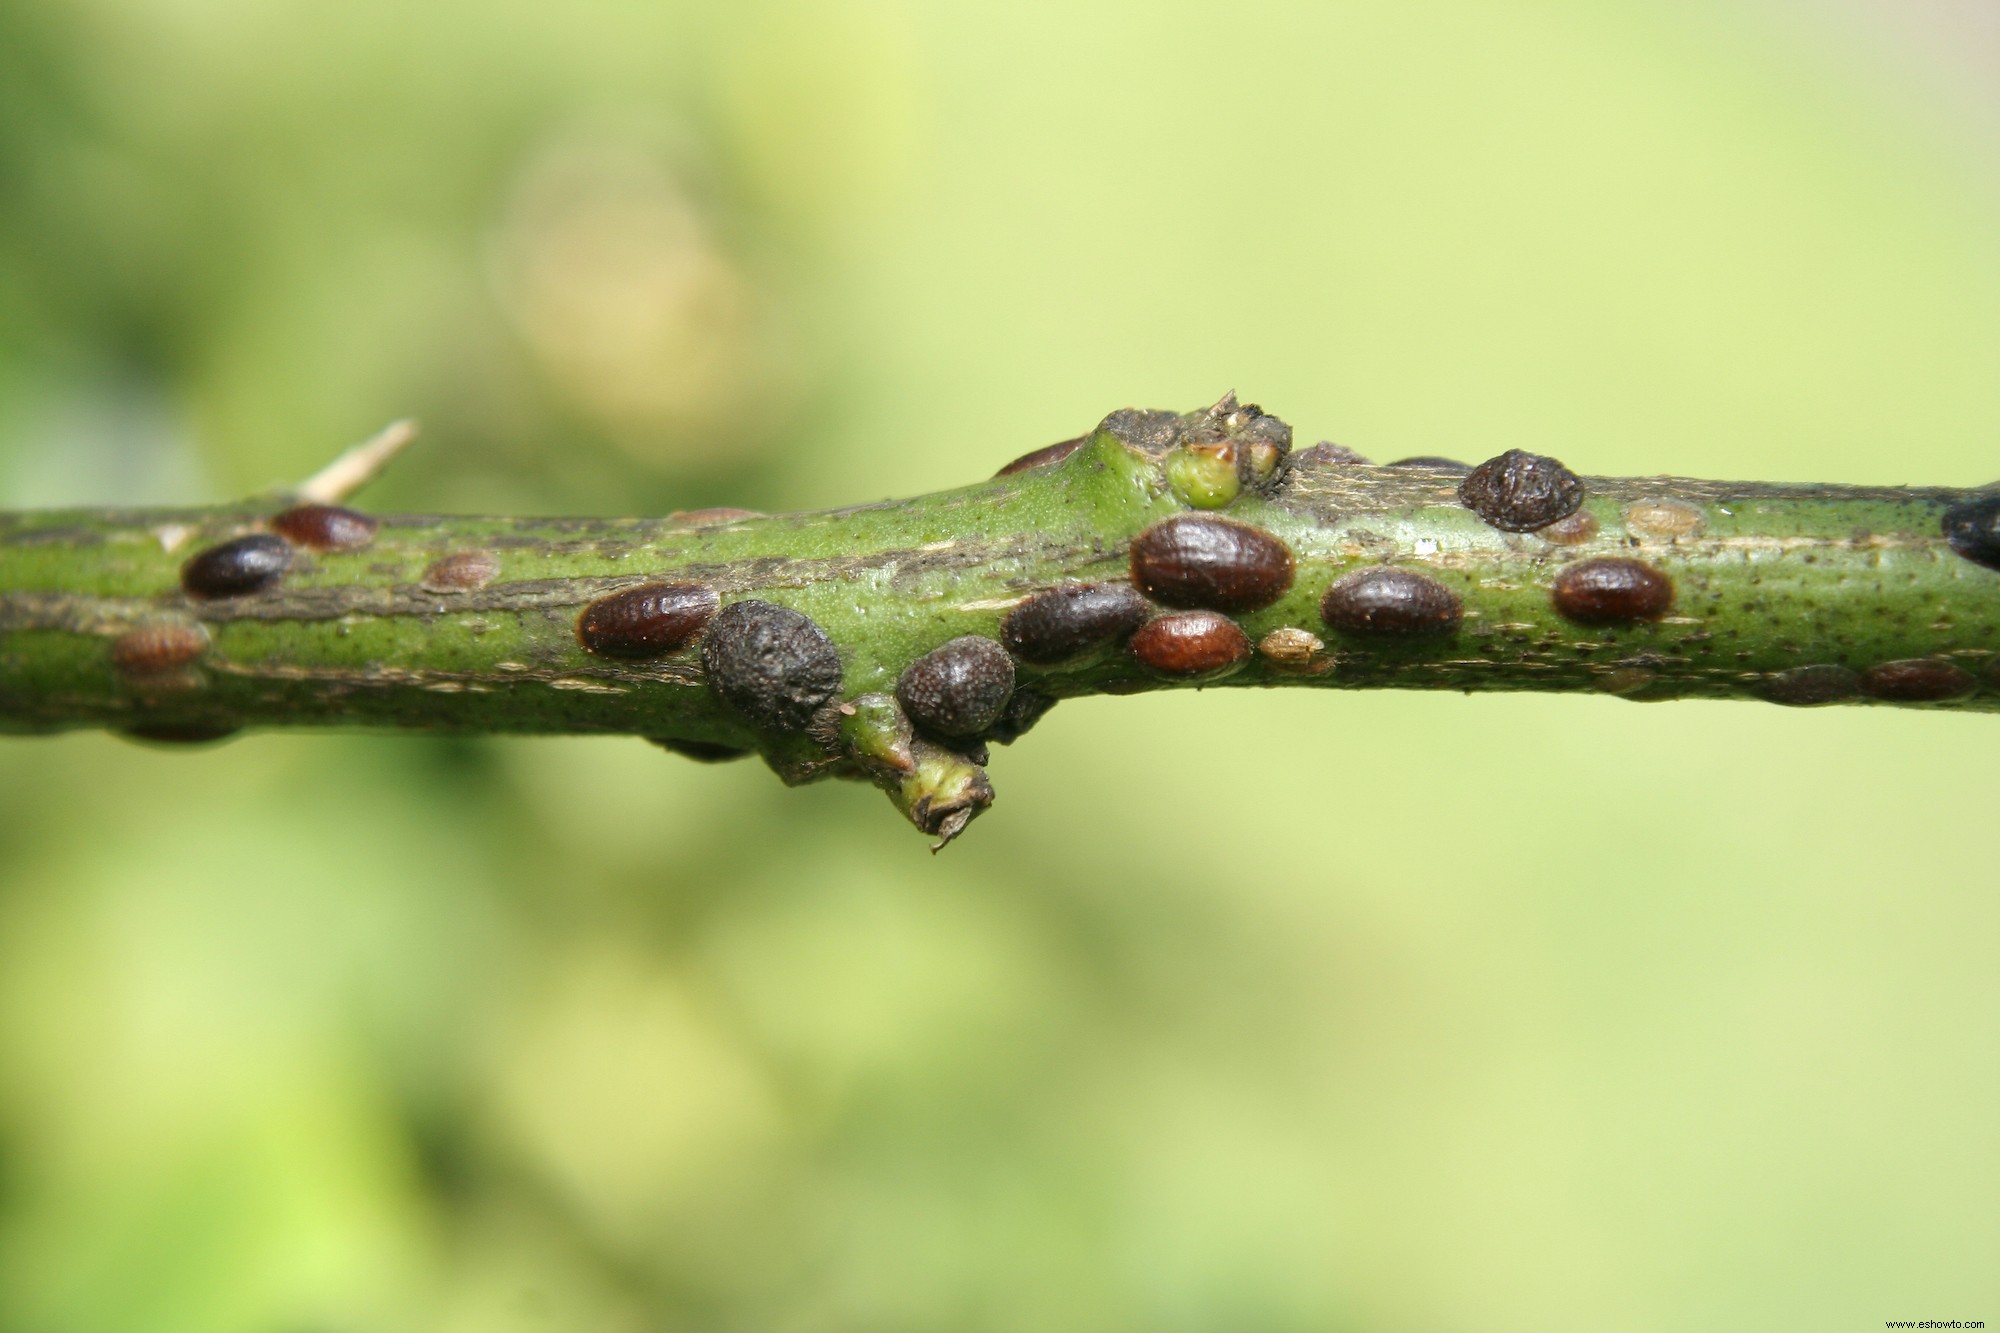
358	466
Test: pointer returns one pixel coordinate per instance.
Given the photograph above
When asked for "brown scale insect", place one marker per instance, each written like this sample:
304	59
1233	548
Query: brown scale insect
1049	453
959	688
1575	530
325	527
1023	711
462	571
1811	686
772	664
151	650
1973	530
1202	562
245	565
1433	462
1328	454
1611	591
1916	680
1625	681
1519	491
1294	651
1191	643
702	752
1056	625
1663	520
1147	429
648	621
1391	601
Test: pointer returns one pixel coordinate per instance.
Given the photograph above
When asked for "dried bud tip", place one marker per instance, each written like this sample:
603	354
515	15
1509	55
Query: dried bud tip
1205	474
944	793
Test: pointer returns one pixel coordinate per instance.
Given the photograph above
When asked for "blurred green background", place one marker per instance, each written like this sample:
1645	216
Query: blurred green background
1246	1012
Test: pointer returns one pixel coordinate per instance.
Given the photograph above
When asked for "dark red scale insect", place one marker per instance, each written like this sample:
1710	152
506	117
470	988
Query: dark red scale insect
1049	453
1390	601
325	527
1611	591
1202	562
1191	643
648	621
1057	625
1916	680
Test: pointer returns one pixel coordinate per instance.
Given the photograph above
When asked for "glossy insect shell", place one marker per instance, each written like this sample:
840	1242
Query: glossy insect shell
1201	562
1057	625
1611	591
1916	680
648	621
325	527
1389	601
1050	453
1191	643
1973	530
233	568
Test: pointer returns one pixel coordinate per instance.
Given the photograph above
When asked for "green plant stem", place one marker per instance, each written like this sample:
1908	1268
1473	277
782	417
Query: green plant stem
1767	579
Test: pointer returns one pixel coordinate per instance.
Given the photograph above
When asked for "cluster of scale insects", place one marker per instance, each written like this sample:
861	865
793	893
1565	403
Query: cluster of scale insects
1188	575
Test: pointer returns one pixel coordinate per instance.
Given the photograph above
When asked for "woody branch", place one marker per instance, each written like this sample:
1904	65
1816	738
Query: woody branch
893	642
